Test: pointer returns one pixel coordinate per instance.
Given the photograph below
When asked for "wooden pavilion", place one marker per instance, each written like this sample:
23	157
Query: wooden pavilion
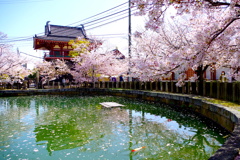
56	39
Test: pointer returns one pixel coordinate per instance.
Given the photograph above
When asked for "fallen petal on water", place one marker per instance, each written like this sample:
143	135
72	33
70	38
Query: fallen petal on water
35	150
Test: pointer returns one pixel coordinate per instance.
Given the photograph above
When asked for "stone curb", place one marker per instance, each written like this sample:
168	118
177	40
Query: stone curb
224	116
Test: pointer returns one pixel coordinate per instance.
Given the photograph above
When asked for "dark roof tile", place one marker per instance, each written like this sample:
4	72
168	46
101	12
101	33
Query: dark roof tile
66	31
62	33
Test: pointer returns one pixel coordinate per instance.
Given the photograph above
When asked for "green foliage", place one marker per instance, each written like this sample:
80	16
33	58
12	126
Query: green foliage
33	75
4	76
79	46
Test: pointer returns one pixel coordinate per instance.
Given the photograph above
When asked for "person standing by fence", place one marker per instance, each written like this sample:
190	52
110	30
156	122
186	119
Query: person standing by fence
223	77
63	82
121	78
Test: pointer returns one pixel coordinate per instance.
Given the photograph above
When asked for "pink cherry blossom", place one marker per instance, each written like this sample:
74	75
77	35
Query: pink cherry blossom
187	34
11	63
92	63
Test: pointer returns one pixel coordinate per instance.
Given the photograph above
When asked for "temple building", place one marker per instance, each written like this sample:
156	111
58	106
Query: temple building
55	41
118	54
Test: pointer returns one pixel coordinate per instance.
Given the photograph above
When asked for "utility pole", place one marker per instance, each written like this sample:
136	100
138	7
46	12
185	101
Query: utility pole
129	36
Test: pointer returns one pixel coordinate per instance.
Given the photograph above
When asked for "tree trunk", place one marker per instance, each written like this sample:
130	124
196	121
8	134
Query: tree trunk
200	73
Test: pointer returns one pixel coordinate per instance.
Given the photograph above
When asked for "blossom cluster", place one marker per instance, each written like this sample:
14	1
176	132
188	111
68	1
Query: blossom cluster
187	34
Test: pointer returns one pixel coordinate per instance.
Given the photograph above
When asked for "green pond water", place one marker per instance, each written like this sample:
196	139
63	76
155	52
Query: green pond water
60	127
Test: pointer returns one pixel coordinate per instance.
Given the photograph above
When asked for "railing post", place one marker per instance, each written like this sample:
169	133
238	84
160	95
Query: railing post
166	86
183	89
107	84
140	85
48	84
218	89
156	85
211	89
233	90
225	90
197	87
177	89
238	92
189	87
161	88
172	87
204	88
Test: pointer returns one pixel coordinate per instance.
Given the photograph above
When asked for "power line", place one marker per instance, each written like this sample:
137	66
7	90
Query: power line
107	36
31	55
12	38
105	20
24	42
89	18
89	22
99	13
22	39
109	22
110	34
106	16
97	19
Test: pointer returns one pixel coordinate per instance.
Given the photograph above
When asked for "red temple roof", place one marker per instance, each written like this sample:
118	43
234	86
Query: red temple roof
61	33
56	40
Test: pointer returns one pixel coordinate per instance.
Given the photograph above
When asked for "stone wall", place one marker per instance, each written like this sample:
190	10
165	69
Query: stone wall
224	116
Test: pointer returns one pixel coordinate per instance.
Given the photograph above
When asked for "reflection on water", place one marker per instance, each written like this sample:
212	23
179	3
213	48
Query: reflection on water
43	127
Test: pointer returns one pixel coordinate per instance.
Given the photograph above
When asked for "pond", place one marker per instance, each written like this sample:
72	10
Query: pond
61	127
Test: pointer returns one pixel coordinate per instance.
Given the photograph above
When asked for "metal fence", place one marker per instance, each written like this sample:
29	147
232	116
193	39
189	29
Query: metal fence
213	89
229	91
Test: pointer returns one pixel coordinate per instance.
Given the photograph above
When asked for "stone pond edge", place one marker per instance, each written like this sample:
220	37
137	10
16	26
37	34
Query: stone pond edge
226	117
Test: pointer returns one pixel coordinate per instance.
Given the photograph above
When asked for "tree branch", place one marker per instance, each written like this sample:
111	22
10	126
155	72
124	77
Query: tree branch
220	31
220	3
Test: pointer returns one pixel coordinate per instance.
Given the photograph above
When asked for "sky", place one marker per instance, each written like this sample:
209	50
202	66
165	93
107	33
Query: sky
22	19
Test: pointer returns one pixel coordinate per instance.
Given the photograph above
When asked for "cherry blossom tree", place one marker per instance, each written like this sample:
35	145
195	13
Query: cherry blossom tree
213	38
153	51
12	65
95	61
52	69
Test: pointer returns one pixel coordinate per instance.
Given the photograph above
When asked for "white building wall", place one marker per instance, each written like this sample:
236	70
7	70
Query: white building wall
219	71
208	73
